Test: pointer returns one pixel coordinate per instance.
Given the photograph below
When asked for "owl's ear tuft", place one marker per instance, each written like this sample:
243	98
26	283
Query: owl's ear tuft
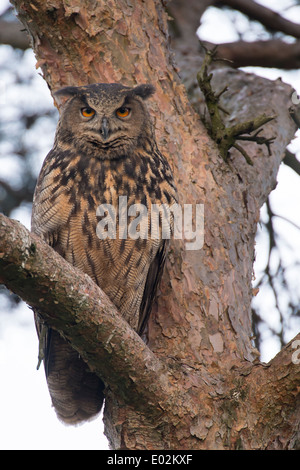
144	91
63	95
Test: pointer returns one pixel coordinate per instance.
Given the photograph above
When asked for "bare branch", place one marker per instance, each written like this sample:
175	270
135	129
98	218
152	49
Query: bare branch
270	19
277	384
291	161
70	302
12	33
272	53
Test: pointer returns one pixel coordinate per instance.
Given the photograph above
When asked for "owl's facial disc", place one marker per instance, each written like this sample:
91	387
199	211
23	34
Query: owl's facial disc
109	118
111	128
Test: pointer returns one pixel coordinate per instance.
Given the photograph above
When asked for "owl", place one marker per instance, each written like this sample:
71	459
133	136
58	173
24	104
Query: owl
104	152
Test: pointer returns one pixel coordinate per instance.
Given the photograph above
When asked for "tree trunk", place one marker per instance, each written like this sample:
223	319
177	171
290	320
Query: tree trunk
203	385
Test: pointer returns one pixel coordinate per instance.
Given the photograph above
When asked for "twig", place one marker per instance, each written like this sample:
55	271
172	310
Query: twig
226	137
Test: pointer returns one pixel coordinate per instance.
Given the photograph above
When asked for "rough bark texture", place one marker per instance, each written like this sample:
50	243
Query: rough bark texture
273	53
206	392
176	405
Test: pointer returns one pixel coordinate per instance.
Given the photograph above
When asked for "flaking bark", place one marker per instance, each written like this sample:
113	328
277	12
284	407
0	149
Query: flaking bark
200	328
177	406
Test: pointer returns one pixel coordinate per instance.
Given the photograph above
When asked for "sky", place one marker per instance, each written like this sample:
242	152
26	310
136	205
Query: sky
27	420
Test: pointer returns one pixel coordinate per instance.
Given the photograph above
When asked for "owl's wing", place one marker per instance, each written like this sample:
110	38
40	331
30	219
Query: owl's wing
153	279
76	393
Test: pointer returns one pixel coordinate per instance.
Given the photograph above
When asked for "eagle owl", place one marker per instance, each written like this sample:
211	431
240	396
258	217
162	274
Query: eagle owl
104	148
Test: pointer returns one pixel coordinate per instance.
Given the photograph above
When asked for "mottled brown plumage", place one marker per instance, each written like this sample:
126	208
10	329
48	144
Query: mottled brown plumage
104	148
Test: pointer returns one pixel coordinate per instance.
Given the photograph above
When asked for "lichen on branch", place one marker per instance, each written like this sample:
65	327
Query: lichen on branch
226	137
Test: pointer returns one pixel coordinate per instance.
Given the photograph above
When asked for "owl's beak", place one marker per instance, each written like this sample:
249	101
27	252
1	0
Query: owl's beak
104	129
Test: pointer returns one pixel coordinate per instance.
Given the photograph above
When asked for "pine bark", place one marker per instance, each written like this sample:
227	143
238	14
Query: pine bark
197	384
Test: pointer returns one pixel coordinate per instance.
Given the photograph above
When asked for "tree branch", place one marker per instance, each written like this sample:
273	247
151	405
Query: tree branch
70	302
270	19
272	401
262	100
291	161
11	33
226	137
272	53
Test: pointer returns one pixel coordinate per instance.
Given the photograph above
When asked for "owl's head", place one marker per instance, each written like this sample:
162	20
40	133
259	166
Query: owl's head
106	117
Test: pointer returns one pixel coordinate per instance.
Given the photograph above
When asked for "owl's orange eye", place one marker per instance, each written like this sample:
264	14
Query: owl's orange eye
123	112
87	112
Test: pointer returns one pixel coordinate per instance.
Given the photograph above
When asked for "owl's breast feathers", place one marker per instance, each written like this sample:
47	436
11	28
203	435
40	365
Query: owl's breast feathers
70	189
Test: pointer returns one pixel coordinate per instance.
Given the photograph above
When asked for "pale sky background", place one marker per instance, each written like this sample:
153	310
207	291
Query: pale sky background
27	420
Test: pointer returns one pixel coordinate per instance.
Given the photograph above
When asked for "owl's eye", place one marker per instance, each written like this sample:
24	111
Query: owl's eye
123	112
87	112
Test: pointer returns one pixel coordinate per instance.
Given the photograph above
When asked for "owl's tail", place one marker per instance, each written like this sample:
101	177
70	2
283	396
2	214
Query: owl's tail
76	393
